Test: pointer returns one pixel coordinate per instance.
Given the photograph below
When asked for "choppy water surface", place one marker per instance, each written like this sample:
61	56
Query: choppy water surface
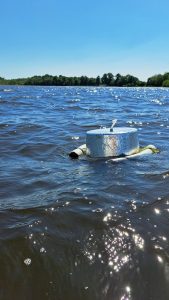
82	229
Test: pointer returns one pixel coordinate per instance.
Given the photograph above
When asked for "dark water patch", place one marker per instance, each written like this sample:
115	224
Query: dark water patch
3	101
3	126
38	149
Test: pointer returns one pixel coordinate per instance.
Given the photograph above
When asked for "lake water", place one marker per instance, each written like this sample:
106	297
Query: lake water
82	229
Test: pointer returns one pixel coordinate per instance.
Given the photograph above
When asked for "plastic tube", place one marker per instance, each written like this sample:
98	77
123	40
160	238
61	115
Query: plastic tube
143	152
82	150
78	152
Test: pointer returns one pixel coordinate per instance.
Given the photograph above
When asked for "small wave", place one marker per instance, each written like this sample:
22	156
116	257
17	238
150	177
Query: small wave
157	101
2	126
7	90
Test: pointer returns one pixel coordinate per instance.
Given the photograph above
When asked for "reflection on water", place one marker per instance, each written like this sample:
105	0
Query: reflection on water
84	229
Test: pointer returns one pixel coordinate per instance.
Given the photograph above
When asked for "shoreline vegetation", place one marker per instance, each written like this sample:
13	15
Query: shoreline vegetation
108	79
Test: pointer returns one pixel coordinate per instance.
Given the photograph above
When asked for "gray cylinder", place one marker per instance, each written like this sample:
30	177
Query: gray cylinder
107	142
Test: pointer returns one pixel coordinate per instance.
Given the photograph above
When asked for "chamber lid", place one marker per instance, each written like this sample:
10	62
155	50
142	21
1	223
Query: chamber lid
116	130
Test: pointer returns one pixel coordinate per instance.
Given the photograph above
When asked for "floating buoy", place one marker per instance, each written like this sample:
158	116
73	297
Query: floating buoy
117	143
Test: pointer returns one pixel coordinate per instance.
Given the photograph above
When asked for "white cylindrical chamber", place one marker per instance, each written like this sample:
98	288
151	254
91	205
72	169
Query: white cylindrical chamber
107	143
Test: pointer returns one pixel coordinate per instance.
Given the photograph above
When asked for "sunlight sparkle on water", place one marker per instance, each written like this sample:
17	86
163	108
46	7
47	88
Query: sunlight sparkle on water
139	242
157	211
127	294
107	217
42	250
27	261
159	258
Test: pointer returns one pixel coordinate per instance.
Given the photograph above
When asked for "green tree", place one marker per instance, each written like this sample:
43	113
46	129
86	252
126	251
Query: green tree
110	79
131	80
104	79
119	81
155	80
166	76
77	81
84	80
98	81
166	83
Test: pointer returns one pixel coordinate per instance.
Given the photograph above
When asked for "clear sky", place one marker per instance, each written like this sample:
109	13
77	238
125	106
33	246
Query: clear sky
89	37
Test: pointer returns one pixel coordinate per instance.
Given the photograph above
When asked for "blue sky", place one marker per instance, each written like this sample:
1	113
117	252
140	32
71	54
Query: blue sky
88	37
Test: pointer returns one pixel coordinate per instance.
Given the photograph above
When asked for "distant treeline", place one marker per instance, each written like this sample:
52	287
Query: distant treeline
108	79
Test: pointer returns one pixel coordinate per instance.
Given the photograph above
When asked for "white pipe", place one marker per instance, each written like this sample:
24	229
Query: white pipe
82	150
78	151
143	152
